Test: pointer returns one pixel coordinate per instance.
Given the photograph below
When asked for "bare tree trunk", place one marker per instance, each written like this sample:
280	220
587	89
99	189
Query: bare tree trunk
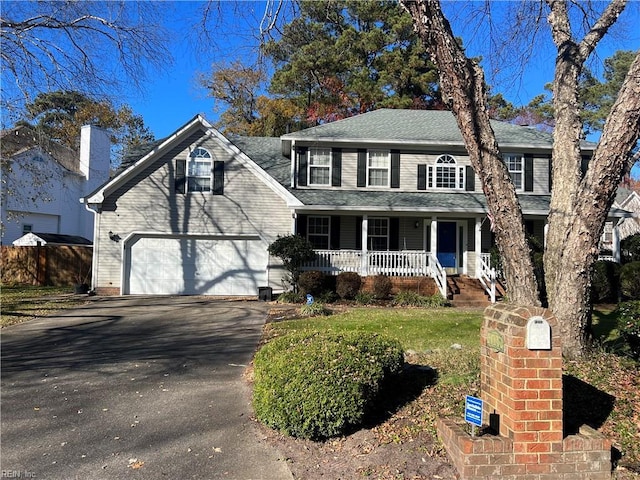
579	205
463	87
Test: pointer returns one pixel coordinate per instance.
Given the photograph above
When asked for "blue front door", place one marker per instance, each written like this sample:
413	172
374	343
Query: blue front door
446	248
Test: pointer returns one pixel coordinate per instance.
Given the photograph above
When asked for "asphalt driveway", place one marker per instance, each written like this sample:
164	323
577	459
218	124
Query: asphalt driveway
134	388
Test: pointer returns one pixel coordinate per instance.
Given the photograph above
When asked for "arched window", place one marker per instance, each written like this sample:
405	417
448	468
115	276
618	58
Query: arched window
446	173
199	170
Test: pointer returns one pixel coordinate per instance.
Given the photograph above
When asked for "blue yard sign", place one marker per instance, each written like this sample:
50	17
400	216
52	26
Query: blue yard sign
473	410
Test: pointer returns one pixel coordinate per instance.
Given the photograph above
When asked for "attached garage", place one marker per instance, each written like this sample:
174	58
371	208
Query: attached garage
194	265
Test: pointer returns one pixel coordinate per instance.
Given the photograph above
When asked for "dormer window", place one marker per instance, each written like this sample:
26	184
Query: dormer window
446	174
199	171
319	166
378	168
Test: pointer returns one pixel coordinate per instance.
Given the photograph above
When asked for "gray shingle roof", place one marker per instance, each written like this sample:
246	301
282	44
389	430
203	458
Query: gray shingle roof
415	126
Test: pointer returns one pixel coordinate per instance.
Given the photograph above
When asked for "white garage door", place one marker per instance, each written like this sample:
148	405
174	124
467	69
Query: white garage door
196	266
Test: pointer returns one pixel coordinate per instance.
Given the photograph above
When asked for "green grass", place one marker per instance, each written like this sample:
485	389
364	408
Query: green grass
22	303
417	329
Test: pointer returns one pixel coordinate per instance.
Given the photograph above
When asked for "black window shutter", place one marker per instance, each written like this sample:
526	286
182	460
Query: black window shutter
422	177
336	167
302	166
301	227
550	173
358	233
334	243
362	168
584	164
470	179
394	234
181	176
528	173
395	169
218	178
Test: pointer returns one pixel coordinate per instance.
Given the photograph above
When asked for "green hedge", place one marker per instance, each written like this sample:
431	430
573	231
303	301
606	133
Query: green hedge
630	280
320	385
605	282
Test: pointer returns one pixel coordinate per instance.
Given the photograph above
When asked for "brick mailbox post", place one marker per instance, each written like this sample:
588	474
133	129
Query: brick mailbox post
521	388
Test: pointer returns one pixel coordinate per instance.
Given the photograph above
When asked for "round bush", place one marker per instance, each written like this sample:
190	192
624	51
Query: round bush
630	280
381	287
312	282
605	281
348	285
319	385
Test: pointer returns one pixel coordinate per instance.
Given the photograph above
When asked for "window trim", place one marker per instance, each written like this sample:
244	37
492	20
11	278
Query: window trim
191	156
459	173
519	156
328	167
387	168
328	234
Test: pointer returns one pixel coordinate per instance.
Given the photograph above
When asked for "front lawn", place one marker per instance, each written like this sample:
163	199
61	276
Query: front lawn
22	303
447	339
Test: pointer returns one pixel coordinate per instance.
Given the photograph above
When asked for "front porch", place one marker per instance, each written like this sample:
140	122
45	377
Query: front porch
406	263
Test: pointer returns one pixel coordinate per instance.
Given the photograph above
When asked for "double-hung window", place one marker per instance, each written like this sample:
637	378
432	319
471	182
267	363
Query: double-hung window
199	167
515	164
318	230
446	174
319	166
378	168
378	233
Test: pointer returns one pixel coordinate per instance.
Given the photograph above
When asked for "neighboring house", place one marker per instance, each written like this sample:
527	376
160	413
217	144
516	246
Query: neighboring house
622	228
43	182
36	239
386	192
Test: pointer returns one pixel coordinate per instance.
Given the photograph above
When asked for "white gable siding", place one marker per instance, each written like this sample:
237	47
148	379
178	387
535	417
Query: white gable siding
148	203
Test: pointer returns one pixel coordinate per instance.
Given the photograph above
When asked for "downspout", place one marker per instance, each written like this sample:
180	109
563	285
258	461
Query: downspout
94	255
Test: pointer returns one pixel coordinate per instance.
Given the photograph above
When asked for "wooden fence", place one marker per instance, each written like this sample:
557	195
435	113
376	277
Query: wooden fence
46	265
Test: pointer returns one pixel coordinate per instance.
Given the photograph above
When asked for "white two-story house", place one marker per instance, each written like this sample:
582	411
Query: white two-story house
386	192
44	181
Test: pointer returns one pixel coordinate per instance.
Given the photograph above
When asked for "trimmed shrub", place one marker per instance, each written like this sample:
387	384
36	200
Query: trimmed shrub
320	385
630	248
348	285
630	280
381	287
312	282
605	281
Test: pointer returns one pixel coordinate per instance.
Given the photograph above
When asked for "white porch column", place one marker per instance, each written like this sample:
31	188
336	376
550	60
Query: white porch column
546	231
364	263
294	217
478	246
615	244
434	235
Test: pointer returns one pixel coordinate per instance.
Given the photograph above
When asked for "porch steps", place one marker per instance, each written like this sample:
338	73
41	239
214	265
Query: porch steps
466	292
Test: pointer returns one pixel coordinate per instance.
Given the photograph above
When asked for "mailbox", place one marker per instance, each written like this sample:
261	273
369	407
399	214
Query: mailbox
538	334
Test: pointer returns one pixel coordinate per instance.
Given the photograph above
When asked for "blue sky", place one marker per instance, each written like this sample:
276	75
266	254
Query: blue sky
174	97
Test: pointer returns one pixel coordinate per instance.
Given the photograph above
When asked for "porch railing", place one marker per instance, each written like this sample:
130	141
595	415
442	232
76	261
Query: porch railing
407	263
487	276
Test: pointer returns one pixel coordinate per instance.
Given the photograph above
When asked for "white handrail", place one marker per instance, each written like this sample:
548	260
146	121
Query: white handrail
438	273
487	276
